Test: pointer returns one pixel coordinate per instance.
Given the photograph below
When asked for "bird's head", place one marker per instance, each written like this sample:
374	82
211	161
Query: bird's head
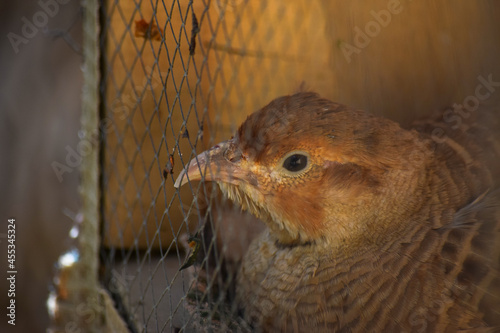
312	169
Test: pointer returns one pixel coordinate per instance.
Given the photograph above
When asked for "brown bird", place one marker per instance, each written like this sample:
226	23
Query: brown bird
371	227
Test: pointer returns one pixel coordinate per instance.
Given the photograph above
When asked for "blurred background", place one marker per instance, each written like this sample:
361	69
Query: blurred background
40	102
424	56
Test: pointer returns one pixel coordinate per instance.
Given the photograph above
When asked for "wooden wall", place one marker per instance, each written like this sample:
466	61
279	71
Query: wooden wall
401	59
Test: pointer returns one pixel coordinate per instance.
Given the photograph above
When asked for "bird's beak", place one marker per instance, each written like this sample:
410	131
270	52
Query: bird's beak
221	163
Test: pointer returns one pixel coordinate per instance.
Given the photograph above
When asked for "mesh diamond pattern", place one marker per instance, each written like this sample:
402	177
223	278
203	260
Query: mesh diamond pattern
177	77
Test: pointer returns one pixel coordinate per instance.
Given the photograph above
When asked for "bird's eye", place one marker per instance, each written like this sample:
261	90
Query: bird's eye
295	162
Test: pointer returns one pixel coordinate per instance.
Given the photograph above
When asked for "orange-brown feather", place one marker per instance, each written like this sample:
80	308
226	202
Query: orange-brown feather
385	229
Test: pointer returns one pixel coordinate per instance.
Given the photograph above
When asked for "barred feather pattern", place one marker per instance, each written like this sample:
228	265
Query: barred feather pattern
435	279
442	274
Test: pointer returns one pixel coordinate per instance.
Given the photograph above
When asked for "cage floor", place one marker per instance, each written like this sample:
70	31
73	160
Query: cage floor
153	292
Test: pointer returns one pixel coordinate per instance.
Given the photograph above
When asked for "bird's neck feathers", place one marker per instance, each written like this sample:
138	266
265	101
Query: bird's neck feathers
280	227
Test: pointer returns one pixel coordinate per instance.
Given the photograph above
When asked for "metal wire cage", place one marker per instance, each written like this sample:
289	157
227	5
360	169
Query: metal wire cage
175	80
175	77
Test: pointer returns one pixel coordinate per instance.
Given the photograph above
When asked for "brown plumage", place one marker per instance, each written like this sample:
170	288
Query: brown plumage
371	227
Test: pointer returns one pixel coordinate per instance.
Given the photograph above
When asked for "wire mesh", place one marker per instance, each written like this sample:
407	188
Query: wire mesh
175	80
179	76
